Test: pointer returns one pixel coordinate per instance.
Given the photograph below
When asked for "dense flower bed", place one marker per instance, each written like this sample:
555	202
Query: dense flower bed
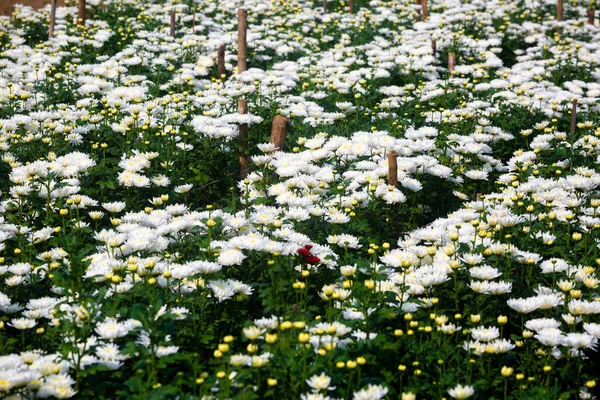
134	263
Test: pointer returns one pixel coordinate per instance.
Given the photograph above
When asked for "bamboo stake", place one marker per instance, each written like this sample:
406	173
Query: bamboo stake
81	12
324	6
244	164
242	33
591	14
52	19
559	10
279	131
221	62
424	13
392	168
172	32
573	116
451	62
350	6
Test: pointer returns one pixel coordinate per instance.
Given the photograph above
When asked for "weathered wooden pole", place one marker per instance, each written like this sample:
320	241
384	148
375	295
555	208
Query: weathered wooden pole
81	12
350	6
434	47
573	116
52	19
278	132
172	30
451	62
591	14
243	104
424	12
242	35
324	6
392	168
559	10
221	62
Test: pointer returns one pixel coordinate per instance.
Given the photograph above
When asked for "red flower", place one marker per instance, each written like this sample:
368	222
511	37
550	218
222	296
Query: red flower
305	252
312	259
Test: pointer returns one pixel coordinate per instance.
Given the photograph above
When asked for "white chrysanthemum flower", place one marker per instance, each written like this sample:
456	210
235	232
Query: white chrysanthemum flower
320	382
231	257
371	392
461	392
485	334
111	329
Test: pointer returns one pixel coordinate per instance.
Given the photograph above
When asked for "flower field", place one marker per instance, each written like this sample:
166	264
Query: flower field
384	199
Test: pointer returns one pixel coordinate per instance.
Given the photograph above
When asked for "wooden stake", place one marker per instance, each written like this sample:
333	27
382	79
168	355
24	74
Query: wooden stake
221	62
451	62
392	168
434	47
243	104
52	19
573	116
424	14
591	14
559	10
324	6
81	13
350	6
172	32
278	132
244	164
242	45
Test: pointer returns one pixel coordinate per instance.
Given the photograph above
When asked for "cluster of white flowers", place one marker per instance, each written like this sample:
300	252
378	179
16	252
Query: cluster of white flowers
350	104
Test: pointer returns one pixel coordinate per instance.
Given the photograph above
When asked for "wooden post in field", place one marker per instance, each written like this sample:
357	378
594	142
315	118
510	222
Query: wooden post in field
172	30
278	132
559	10
424	13
81	12
243	104
221	62
434	47
392	168
324	6
52	19
573	116
242	45
451	62
350	6
591	14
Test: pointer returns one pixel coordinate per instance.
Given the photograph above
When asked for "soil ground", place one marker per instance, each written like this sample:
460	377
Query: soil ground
6	6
